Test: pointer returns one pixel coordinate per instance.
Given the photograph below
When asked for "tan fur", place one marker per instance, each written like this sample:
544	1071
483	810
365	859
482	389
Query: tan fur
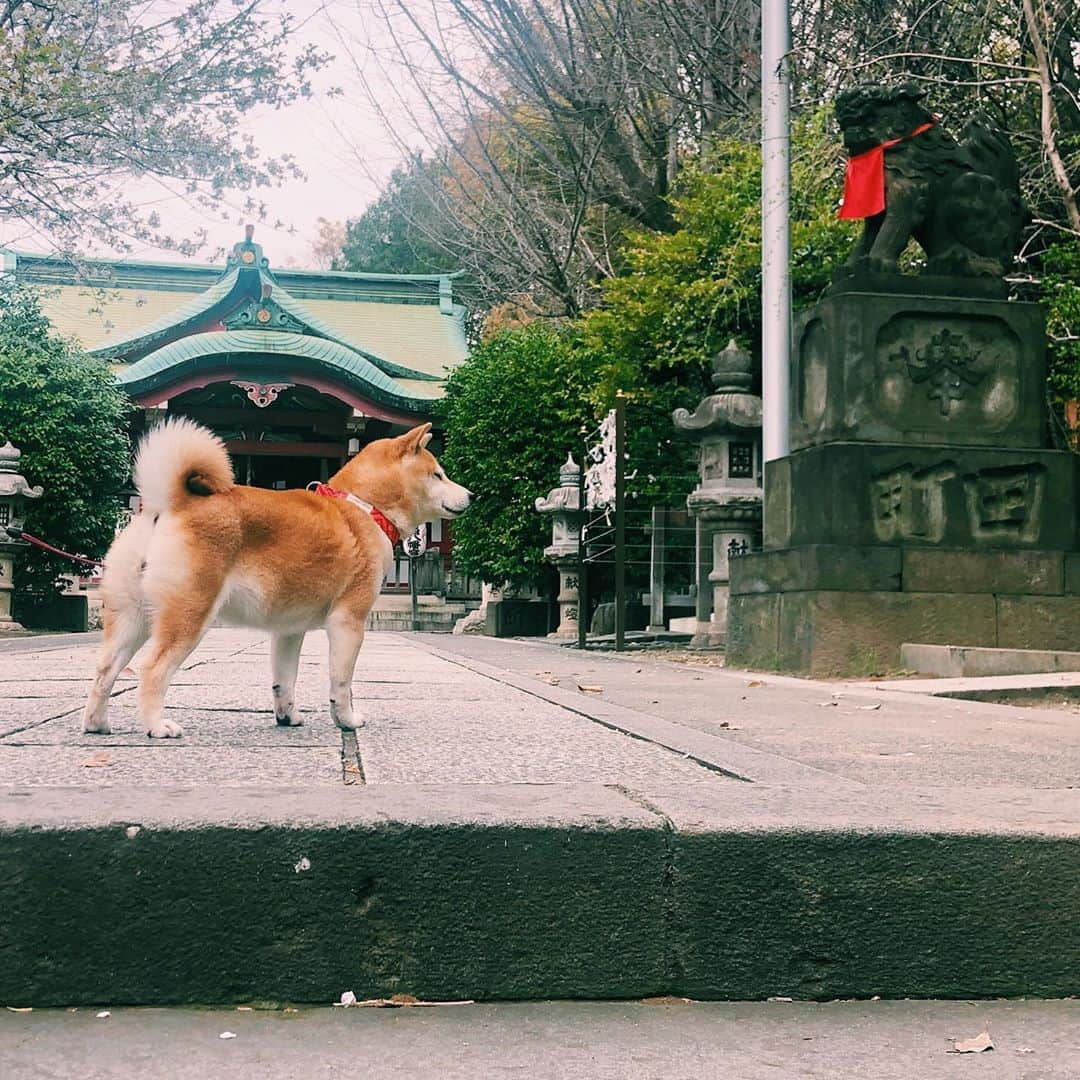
283	561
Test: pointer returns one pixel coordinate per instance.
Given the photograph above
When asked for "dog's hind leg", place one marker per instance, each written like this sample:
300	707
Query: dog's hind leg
346	637
285	659
178	628
125	633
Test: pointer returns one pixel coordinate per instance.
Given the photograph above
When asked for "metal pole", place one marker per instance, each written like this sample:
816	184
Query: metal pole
620	522
583	569
657	540
412	564
775	236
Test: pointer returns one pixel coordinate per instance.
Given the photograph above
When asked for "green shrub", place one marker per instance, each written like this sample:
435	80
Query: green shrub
511	413
63	409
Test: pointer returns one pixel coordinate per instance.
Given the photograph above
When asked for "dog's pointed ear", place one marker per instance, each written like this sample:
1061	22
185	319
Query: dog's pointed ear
412	442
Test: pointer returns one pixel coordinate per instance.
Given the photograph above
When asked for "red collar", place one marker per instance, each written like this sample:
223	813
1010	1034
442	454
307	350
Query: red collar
380	519
864	179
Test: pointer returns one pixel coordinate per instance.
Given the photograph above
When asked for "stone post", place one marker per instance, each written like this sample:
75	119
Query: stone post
564	505
14	492
726	504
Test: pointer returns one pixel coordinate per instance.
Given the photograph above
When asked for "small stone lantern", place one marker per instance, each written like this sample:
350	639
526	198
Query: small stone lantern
726	504
564	505
14	494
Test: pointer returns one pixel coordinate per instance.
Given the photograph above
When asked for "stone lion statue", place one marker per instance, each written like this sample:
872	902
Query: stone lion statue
959	198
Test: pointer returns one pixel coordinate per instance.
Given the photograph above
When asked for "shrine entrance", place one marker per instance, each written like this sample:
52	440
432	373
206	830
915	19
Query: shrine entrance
279	435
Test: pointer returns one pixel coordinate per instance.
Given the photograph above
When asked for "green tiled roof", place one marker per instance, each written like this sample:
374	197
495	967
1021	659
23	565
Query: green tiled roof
407	327
179	356
197	308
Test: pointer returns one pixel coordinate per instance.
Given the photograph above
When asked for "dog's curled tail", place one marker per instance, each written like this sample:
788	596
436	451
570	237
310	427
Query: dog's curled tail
178	460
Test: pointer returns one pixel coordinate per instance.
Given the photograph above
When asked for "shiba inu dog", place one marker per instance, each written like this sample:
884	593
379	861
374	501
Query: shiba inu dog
204	547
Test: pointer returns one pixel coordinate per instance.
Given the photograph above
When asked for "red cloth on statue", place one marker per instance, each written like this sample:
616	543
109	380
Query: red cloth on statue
864	180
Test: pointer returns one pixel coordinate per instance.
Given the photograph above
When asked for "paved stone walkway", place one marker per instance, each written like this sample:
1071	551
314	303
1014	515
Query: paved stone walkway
517	820
428	720
884	1040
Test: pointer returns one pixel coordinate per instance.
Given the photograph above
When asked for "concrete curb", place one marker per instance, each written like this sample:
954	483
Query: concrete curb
34	642
497	892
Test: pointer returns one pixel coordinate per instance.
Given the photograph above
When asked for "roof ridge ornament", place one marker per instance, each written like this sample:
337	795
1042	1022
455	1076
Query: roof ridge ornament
247	254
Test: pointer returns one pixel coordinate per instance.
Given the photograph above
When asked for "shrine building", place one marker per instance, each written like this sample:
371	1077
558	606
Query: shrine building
294	369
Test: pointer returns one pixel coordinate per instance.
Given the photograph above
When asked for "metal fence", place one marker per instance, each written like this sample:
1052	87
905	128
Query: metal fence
637	541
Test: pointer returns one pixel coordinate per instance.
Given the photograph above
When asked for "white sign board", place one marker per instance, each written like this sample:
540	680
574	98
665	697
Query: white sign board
600	468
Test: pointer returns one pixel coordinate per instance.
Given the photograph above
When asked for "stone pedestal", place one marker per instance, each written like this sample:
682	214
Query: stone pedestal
726	504
563	503
15	492
920	503
8	551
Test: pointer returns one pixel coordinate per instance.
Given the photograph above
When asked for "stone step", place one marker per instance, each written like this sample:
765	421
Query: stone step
964	661
395	623
514	891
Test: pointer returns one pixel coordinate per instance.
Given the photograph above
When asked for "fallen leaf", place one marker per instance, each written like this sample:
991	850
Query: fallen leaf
724	723
827	704
780	999
975	1045
1023	1050
227	1035
587	688
869	708
20	1009
100	760
104	1014
755	684
244	1008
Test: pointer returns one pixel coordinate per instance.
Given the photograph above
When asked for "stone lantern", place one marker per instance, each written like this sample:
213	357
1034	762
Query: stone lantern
564	505
14	494
726	504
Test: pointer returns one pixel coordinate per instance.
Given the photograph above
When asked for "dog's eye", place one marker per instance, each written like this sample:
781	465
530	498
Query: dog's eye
439	474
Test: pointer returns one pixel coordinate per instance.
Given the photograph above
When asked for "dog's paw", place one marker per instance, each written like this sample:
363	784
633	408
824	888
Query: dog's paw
166	729
291	720
97	727
346	723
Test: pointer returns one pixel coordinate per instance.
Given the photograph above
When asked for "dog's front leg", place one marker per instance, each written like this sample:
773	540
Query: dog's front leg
285	660
346	637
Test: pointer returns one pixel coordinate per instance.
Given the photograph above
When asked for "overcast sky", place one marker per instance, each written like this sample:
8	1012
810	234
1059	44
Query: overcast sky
338	142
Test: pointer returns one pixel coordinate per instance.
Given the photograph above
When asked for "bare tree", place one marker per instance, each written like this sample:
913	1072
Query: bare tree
556	124
96	92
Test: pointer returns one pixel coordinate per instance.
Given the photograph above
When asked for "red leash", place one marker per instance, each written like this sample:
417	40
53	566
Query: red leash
20	535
